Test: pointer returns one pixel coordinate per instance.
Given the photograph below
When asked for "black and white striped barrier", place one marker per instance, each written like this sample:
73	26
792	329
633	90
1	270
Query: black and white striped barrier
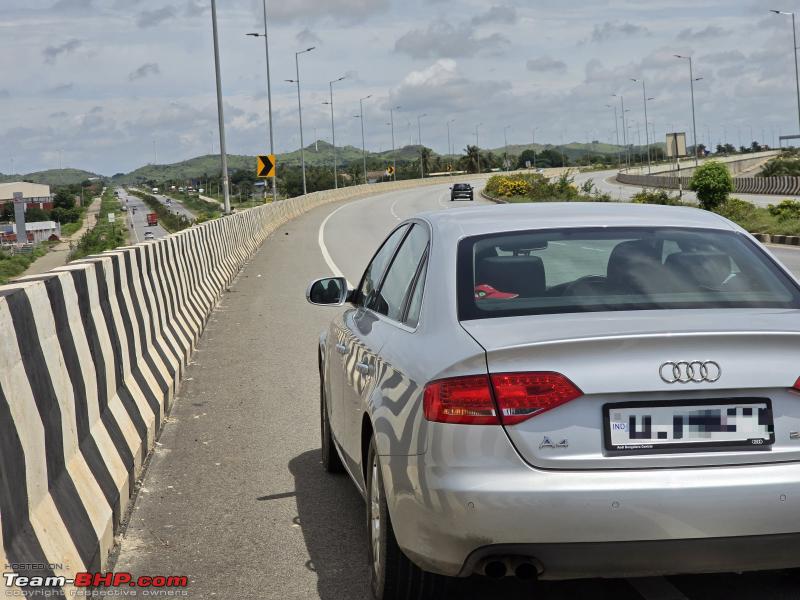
91	357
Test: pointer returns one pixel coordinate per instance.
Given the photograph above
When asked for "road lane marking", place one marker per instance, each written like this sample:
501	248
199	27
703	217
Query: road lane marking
325	254
656	588
391	209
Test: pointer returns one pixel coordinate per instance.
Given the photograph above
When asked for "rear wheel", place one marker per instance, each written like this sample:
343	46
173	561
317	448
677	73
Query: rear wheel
392	575
330	458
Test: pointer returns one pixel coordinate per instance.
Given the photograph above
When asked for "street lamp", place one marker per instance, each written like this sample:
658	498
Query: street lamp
449	146
220	114
363	145
269	96
505	141
794	45
419	133
533	141
691	87
624	130
478	146
646	134
333	131
394	155
300	111
616	129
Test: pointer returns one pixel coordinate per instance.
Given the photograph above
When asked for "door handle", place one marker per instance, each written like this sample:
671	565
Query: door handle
341	348
363	368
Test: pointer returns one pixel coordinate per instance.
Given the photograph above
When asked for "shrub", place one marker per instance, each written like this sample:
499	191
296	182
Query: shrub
513	187
712	182
656	197
786	210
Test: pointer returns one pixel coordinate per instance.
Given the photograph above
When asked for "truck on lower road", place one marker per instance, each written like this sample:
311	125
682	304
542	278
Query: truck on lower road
152	219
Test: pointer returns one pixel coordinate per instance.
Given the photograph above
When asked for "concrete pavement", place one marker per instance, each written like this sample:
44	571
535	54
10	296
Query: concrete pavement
605	181
235	496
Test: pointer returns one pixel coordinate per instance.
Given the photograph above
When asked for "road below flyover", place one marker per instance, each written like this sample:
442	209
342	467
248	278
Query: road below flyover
235	496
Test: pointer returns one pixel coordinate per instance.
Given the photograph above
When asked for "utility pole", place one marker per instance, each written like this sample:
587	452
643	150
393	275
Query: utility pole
220	115
300	112
421	147
478	146
691	87
333	132
394	154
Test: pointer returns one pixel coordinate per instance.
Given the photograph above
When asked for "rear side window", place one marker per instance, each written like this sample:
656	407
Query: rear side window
377	267
400	277
579	270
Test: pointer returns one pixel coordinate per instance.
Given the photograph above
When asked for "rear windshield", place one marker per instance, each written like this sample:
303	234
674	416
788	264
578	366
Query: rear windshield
593	270
461	186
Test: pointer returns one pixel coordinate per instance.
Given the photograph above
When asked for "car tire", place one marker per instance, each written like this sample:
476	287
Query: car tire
392	575
330	457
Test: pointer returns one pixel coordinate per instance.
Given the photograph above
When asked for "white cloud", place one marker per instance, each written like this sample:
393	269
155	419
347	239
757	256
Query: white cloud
442	39
546	63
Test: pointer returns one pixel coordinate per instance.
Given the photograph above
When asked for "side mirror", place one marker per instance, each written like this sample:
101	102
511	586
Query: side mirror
451	187
328	291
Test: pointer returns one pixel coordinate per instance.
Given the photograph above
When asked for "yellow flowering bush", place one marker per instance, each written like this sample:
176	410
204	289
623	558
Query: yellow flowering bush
509	187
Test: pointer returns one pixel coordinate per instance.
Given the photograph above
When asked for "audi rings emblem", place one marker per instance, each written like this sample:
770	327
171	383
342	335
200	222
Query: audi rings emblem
695	371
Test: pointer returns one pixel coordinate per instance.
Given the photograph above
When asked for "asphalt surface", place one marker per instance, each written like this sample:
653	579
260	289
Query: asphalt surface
136	217
605	182
235	496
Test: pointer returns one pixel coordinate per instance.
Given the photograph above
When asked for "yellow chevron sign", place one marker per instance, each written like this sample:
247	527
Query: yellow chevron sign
265	166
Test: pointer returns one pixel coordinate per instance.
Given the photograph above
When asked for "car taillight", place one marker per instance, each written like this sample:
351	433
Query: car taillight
521	396
474	399
465	400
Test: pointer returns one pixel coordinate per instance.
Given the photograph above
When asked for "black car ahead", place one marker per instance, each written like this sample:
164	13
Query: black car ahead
461	190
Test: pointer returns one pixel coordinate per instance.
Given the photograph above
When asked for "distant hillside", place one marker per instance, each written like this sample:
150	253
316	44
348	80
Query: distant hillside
52	177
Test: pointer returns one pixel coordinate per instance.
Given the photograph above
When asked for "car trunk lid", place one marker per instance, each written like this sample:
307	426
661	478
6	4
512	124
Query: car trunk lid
617	358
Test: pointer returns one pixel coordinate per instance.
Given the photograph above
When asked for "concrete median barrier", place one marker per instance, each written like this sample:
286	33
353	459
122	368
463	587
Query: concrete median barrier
91	358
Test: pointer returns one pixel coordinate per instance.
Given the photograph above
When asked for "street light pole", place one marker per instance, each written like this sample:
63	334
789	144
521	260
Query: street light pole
363	144
333	133
505	141
796	76
220	115
269	97
478	146
533	142
646	133
449	145
616	129
691	87
419	133
394	154
300	112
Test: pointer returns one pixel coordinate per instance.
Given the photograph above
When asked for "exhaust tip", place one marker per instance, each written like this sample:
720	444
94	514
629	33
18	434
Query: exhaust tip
495	569
526	571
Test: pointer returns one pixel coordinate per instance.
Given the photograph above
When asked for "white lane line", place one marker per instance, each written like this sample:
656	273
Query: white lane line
324	249
391	209
656	588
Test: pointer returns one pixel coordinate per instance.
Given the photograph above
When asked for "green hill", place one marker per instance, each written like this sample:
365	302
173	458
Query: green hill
52	177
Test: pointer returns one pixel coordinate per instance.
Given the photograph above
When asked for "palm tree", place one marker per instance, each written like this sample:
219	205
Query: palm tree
425	157
473	158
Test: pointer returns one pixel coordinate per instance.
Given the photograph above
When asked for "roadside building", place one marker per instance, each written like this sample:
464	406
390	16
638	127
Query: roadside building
36	195
38	231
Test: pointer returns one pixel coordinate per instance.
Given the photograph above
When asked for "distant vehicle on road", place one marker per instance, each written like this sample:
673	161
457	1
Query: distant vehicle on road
155	190
169	201
461	190
148	235
123	208
200	191
562	391
152	219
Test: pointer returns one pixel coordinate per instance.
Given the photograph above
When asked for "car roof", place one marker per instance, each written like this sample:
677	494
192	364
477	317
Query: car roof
462	222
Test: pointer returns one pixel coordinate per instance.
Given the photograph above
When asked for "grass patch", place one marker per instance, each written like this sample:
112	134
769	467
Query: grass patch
15	265
169	221
203	210
104	235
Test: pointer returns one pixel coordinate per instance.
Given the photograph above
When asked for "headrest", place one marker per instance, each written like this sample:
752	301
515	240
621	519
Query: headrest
705	268
522	275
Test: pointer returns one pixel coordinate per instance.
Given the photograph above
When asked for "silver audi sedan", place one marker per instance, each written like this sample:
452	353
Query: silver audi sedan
561	391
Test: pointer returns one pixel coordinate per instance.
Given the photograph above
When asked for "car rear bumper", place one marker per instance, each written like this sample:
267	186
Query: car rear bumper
636	559
572	522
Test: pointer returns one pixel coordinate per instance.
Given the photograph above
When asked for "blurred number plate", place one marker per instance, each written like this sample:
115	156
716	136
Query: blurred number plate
647	426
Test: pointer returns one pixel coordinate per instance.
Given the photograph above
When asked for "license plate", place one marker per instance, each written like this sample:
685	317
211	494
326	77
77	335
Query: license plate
740	423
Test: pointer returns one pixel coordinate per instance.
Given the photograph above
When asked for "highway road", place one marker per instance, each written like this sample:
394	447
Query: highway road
235	496
137	217
605	182
176	207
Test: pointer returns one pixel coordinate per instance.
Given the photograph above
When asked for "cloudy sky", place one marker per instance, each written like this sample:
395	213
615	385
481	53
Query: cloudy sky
100	80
